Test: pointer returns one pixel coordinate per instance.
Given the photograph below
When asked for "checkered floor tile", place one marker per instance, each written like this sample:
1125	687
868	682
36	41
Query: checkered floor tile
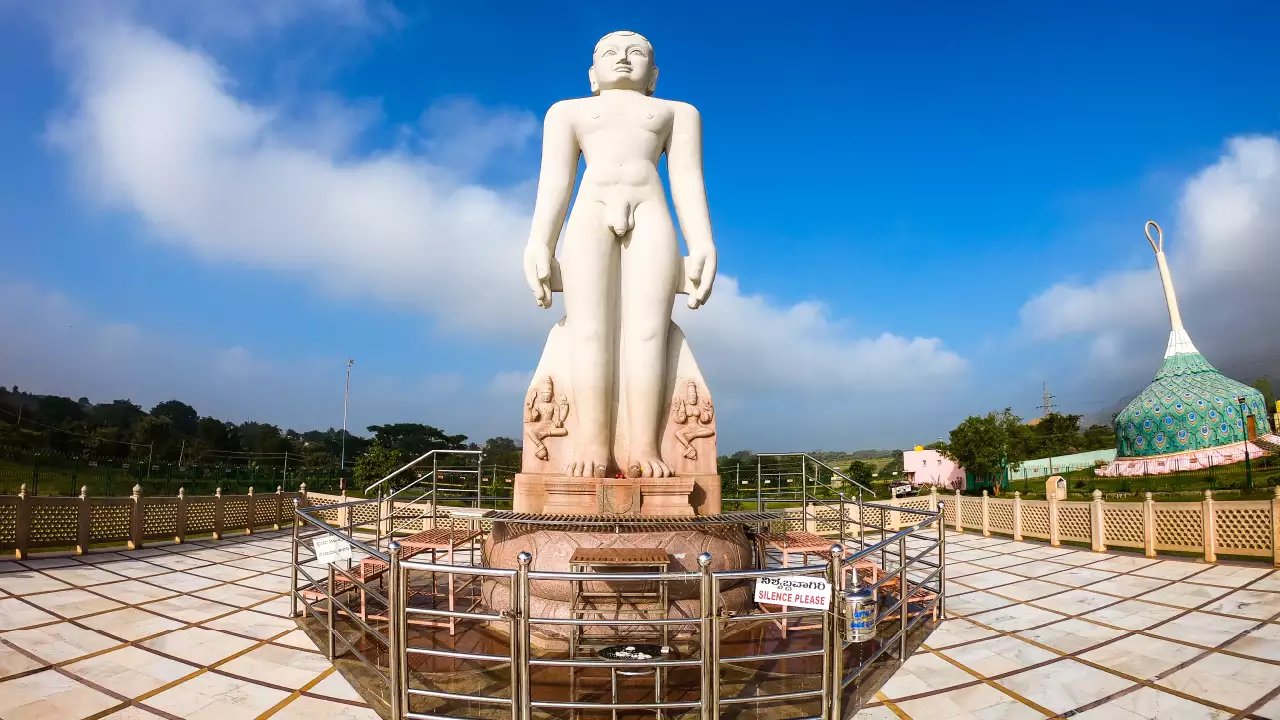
1033	631
198	630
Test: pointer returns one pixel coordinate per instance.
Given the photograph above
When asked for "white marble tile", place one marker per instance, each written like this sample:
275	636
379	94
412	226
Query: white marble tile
83	575
15	614
25	582
956	631
1076	602
1202	629
1079	577
1151	704
1124	563
72	604
1171	570
130	623
1128	585
47	695
306	708
1133	614
1247	603
199	646
279	665
130	671
216	697
1064	685
922	673
1071	635
975	702
988	579
1224	679
336	686
59	642
1016	617
1229	575
1263	642
1029	590
1185	594
133	592
1038	568
1140	656
999	655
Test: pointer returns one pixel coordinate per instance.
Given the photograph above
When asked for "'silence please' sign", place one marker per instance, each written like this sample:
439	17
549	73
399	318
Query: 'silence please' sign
794	591
332	549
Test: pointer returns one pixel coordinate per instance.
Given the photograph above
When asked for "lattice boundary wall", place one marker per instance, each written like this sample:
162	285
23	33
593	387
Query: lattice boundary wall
55	523
1240	527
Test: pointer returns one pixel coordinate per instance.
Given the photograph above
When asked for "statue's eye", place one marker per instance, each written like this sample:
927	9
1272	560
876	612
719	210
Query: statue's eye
637	51
609	52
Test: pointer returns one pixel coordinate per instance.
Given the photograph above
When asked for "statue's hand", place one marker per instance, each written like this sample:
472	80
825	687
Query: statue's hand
702	273
537	272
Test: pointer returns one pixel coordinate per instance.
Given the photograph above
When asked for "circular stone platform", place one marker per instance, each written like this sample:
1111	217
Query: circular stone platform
553	544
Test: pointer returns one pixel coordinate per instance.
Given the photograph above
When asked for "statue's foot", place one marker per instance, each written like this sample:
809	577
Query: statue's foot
581	467
691	453
541	453
648	465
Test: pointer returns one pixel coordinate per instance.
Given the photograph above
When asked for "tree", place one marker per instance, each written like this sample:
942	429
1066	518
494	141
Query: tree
1099	437
895	464
184	417
1263	385
985	444
377	463
502	451
860	471
415	439
1056	434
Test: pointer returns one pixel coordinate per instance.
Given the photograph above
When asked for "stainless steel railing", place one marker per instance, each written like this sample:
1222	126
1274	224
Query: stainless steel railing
911	559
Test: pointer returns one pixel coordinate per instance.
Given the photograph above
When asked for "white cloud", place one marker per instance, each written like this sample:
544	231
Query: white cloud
1221	251
156	129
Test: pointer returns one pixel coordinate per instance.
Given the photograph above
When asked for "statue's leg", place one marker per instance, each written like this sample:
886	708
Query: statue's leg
649	259
589	266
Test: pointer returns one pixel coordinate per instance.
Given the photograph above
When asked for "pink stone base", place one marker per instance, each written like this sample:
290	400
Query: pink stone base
681	495
552	547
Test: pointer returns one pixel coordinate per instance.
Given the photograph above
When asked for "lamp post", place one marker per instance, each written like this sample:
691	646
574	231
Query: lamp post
1244	419
346	395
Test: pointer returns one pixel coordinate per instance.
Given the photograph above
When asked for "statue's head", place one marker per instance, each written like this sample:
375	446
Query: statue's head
547	390
691	392
623	61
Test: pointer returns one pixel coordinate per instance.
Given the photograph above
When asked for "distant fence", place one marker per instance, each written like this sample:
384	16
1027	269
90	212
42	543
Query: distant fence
1207	528
55	474
29	522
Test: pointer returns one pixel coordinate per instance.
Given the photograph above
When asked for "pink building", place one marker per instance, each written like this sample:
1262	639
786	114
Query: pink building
930	467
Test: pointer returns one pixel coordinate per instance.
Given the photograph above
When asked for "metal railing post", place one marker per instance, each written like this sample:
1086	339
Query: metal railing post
522	637
862	527
804	495
333	611
903	585
942	560
707	709
833	658
293	574
395	654
759	484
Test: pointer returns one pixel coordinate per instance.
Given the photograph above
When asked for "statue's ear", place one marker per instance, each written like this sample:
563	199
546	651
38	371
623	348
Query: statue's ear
595	84
653	82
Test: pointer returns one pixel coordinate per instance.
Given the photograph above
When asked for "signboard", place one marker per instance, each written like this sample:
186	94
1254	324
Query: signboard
794	591
330	549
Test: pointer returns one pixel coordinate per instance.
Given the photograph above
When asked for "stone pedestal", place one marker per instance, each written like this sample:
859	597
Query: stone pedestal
552	546
671	496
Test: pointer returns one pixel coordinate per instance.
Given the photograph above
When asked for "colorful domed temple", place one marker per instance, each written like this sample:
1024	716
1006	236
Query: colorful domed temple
1191	415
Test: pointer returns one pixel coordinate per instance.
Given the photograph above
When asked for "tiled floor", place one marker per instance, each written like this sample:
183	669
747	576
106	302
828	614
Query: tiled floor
201	631
198	630
1034	631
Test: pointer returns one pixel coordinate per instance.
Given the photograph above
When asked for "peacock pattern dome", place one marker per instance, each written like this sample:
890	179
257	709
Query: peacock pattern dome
1189	406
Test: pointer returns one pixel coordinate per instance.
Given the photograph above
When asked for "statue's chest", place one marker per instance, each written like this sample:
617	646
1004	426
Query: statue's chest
627	119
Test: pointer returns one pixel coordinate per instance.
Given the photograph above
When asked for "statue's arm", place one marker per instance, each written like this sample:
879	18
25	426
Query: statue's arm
689	194
560	154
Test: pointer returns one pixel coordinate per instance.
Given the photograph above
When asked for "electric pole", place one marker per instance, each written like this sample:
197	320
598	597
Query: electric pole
1047	401
346	396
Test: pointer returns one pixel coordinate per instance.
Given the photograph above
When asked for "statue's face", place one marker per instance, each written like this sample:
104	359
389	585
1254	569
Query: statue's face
691	393
545	395
623	62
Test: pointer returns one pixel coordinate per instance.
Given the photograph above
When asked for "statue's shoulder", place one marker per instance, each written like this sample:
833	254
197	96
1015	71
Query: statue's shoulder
679	107
568	109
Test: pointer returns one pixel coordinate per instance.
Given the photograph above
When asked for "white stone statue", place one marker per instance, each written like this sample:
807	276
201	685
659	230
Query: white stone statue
620	267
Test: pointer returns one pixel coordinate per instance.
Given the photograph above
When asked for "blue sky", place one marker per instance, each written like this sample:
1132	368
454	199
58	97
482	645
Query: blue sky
922	212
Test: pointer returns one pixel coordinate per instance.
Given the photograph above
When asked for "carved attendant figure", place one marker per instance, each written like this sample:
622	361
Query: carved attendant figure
694	416
621	265
544	417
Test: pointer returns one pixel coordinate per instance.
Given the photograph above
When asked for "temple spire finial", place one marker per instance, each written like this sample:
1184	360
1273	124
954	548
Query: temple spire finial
1179	340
